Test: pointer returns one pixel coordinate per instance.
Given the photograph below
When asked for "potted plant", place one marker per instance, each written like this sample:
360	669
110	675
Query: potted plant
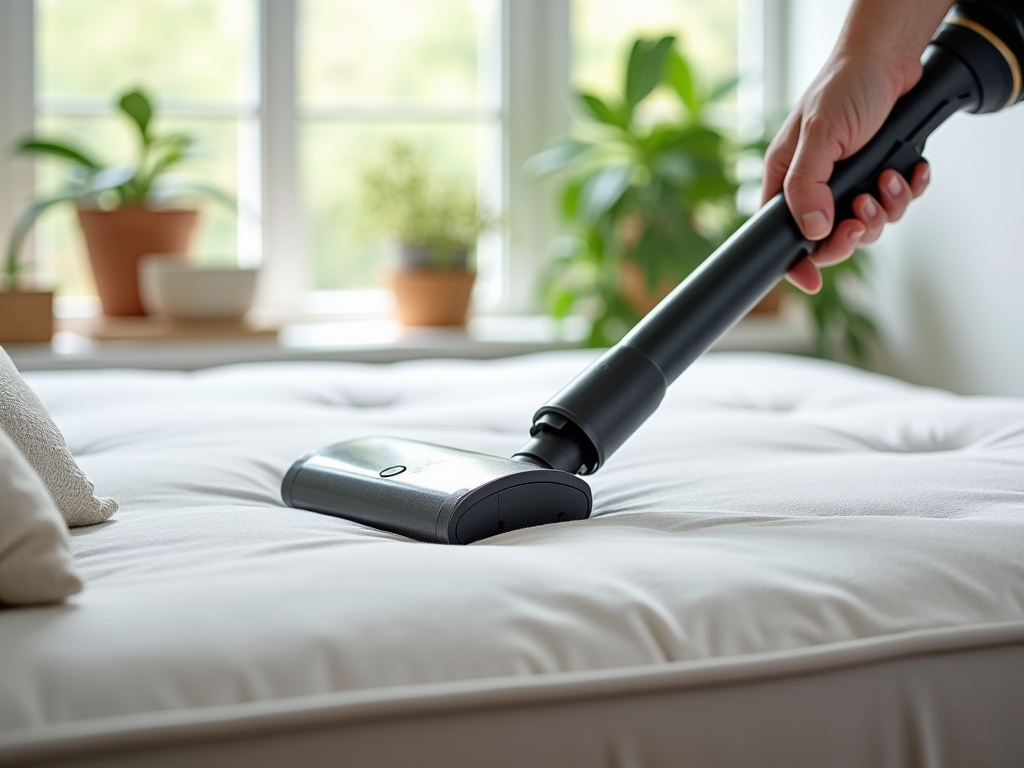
434	222
125	211
649	200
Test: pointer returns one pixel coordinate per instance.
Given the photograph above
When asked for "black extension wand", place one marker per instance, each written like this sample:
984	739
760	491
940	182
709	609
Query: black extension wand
451	496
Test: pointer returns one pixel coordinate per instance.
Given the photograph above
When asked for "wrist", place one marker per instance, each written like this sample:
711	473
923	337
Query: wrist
899	70
892	34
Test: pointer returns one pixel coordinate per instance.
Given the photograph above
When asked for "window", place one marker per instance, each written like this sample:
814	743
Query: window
290	97
198	57
369	73
602	30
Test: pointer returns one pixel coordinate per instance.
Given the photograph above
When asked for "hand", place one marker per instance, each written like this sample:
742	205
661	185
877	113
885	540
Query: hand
843	108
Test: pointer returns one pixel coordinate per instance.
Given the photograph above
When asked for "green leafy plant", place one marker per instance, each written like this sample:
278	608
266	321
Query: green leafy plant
91	184
839	324
656	197
408	200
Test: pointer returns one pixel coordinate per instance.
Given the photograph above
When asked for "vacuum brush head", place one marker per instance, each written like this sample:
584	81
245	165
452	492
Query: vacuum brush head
430	492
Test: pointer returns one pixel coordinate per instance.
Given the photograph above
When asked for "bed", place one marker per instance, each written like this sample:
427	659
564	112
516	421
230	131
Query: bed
793	563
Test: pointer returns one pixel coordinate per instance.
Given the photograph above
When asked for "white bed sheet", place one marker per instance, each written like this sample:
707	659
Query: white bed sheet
777	517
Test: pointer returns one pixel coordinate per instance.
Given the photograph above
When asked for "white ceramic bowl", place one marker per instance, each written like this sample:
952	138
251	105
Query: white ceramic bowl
169	285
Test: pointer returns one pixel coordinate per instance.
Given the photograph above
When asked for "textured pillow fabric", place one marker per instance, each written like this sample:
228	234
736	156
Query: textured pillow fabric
35	562
30	428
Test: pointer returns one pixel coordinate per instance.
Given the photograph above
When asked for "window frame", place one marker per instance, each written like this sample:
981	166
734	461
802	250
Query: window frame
532	108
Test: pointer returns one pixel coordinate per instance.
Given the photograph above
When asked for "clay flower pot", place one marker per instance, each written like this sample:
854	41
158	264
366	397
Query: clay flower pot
432	296
430	289
26	317
116	241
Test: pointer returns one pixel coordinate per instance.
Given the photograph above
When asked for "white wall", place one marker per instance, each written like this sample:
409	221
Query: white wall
948	279
950	276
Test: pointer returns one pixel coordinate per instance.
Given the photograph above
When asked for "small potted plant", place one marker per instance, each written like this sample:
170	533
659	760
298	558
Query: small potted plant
125	211
434	223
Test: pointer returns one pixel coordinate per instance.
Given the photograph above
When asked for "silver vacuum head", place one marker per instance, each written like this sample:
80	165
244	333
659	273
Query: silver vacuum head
430	492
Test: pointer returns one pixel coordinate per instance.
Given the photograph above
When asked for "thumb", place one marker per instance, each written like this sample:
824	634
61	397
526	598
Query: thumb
806	184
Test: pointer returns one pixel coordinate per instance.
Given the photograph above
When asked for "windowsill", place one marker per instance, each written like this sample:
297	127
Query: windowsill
371	341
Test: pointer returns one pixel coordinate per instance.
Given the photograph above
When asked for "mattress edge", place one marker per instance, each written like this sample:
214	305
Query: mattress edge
152	729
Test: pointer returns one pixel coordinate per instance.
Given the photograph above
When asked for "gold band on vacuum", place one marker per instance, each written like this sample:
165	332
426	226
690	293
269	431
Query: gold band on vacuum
999	45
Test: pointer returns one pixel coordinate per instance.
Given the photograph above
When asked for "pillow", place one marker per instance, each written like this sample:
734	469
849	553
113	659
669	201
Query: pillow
35	563
30	428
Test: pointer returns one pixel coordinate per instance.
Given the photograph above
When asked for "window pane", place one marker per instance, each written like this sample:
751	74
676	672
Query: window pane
396	52
348	251
61	248
196	58
182	49
603	30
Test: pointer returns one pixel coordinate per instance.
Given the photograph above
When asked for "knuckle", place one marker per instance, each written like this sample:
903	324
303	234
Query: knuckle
816	125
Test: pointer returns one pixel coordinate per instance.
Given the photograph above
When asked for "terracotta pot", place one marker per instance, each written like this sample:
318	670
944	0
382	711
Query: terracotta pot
642	299
118	239
26	317
432	297
771	303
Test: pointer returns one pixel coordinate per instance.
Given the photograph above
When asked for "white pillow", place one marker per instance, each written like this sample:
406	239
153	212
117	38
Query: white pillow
35	563
26	422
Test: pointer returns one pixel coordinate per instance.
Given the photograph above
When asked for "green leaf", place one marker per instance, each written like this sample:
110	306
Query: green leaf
170	151
699	141
599	110
692	246
722	90
571	200
603	190
557	157
654	254
708	187
111	178
562	302
56	149
676	167
138	107
645	68
169	188
24	224
680	77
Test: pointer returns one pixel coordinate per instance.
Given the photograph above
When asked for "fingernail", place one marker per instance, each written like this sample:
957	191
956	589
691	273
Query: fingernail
870	209
926	175
815	225
894	186
856	235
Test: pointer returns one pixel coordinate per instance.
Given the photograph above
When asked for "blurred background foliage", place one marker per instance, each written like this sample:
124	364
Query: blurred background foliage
647	199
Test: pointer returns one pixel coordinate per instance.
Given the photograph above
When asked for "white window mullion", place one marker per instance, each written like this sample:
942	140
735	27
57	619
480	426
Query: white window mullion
286	273
762	64
536	86
17	110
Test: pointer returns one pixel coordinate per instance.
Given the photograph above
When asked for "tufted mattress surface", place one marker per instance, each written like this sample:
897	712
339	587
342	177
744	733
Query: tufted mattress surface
777	518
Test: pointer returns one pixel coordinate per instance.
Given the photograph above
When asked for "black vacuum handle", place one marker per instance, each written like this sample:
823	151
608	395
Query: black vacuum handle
966	67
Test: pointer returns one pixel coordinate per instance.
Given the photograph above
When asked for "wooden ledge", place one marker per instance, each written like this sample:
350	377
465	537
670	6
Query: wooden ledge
162	328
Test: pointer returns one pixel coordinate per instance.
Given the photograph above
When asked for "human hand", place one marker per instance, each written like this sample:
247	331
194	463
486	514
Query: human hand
843	108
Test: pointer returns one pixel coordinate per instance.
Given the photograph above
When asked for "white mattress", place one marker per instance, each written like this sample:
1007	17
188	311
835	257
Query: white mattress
791	562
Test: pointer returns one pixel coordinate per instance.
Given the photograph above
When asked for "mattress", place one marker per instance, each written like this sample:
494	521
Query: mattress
791	563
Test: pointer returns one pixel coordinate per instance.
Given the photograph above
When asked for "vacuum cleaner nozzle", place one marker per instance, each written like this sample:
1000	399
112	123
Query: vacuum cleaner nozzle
431	492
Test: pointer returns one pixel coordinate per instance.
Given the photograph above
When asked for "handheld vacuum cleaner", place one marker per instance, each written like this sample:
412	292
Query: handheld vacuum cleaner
450	496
